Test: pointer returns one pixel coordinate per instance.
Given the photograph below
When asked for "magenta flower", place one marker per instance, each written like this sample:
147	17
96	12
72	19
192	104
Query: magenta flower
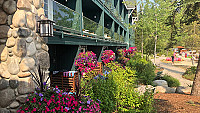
86	61
108	56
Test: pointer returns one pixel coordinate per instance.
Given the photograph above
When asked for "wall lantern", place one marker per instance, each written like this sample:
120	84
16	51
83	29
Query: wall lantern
45	28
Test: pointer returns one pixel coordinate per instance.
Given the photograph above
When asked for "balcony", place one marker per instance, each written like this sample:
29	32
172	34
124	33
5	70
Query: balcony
110	6
74	29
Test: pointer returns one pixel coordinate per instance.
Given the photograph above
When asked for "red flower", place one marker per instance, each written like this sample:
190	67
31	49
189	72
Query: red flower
34	99
45	100
34	109
47	109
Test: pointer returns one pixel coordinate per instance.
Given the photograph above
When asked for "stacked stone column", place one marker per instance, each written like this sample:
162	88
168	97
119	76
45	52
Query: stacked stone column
21	51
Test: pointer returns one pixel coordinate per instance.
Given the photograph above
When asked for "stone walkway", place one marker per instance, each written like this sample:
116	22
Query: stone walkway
174	71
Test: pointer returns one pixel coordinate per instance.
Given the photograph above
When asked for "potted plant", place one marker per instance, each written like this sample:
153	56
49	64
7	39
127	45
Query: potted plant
86	61
108	56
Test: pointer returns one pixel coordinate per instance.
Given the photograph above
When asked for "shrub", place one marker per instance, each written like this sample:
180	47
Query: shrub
57	101
189	76
90	75
126	98
117	93
124	55
190	73
145	70
172	82
191	70
103	90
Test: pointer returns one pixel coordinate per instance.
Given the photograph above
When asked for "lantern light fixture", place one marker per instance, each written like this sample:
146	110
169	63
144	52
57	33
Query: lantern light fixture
45	28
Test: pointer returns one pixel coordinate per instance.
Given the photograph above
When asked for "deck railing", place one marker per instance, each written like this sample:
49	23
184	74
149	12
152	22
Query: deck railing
110	6
66	17
92	27
71	20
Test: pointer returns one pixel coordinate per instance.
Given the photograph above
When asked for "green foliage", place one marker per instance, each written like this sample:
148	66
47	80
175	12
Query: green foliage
144	69
125	81
117	92
146	102
167	53
127	99
172	82
153	15
189	76
190	73
103	90
90	75
191	70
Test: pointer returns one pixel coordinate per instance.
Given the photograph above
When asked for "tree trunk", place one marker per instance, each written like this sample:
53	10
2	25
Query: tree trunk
142	43
196	82
167	52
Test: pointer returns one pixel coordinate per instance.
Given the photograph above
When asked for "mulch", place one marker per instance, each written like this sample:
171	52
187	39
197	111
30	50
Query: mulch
176	103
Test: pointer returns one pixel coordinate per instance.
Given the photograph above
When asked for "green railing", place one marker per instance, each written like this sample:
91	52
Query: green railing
70	19
132	40
108	4
92	27
116	36
131	31
121	38
66	17
108	33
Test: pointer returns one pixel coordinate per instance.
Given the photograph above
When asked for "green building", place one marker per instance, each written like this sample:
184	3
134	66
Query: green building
92	25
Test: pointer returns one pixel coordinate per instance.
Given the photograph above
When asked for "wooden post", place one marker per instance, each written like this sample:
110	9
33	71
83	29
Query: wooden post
73	89
62	79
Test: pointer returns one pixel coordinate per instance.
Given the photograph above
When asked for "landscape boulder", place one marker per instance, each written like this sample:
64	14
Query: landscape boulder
183	90
143	88
160	83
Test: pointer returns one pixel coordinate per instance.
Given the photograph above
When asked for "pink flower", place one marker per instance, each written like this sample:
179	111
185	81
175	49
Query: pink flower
34	99
80	108
57	108
45	100
61	108
47	109
49	102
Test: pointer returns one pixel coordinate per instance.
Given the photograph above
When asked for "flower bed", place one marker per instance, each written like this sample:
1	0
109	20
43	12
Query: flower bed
175	59
58	101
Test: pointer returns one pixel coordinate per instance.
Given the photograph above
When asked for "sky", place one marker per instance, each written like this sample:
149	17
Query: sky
138	5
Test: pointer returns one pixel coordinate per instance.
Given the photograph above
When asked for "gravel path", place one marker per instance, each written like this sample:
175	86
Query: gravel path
173	71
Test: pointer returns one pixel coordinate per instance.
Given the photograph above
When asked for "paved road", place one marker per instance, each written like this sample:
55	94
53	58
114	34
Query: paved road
173	71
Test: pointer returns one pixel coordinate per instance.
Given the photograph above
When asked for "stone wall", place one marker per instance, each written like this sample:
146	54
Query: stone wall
21	51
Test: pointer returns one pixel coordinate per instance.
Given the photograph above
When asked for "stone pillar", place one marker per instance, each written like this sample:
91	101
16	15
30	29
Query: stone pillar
21	51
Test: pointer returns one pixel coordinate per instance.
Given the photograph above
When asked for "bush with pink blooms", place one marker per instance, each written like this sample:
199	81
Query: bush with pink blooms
57	101
108	56
125	55
86	61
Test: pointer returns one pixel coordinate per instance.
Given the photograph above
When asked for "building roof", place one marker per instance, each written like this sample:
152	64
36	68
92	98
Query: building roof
130	4
180	47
